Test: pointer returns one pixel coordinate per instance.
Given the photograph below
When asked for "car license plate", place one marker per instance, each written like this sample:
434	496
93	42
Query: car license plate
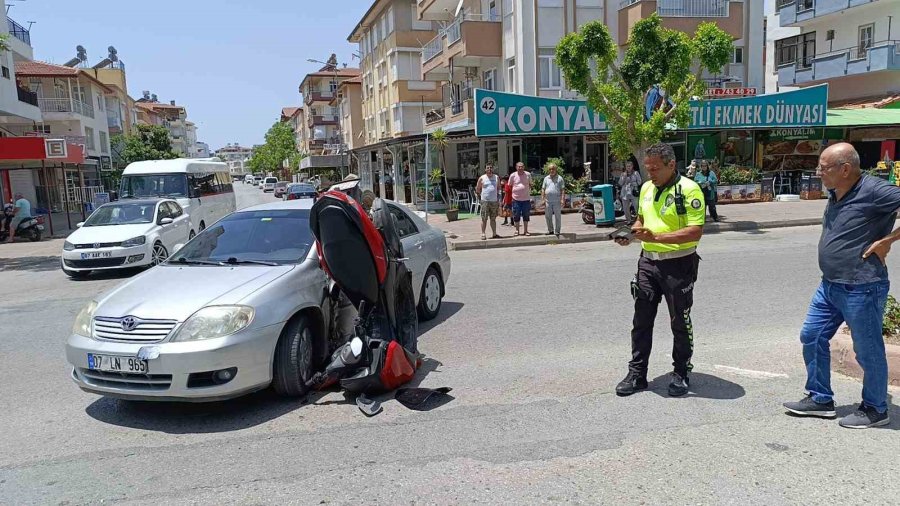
111	363
99	254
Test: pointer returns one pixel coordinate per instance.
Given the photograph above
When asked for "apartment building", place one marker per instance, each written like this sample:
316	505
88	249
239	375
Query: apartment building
349	103
236	156
297	120
171	116
775	32
18	103
202	150
853	45
318	89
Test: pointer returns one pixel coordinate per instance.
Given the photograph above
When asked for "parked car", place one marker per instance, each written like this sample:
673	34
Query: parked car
269	184
125	234
280	188
243	306
297	191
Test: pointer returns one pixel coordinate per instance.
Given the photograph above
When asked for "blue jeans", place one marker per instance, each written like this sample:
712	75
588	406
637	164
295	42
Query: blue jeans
862	307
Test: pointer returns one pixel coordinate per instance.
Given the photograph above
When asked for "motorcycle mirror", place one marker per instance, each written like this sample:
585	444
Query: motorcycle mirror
79	224
356	346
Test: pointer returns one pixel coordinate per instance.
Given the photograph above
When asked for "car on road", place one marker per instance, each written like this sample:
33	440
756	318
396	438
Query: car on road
269	184
297	191
124	234
280	188
243	306
249	178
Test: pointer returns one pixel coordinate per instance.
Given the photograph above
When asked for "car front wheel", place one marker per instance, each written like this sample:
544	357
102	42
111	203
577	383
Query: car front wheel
158	255
430	298
294	358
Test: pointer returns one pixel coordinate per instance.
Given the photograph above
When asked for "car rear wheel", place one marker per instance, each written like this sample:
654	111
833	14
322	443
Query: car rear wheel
430	298
202	226
294	358
192	235
159	254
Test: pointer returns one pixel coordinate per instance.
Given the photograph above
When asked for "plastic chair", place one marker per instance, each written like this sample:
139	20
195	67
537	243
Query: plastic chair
476	204
462	197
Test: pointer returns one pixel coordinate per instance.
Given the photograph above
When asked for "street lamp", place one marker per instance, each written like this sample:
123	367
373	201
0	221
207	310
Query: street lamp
339	129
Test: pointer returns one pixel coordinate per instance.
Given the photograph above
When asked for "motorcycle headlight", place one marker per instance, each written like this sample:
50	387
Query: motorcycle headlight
67	246
82	325
214	321
136	241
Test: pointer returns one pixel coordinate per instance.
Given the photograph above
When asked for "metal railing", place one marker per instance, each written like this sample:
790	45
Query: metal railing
693	8
854	53
113	120
66	105
433	48
454	31
29	97
18	31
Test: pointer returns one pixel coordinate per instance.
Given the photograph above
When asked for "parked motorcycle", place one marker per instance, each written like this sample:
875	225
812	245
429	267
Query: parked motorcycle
31	228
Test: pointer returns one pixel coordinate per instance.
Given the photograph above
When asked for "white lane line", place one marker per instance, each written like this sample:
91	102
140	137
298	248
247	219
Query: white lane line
750	373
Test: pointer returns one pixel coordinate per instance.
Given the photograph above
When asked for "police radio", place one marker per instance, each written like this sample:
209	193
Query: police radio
679	201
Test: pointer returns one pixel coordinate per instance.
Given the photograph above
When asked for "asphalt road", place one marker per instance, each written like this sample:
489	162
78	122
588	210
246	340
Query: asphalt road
532	341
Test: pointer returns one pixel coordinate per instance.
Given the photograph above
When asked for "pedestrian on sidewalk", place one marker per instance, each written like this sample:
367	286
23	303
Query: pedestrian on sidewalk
488	187
669	225
856	239
9	210
708	183
21	211
553	195
629	188
520	185
506	197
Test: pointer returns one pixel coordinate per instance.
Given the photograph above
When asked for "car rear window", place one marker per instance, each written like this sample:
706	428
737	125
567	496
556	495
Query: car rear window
271	180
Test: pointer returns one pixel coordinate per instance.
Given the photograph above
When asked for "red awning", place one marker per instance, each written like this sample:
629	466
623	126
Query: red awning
21	150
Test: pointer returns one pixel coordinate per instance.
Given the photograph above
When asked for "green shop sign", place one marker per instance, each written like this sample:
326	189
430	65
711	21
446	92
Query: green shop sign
508	114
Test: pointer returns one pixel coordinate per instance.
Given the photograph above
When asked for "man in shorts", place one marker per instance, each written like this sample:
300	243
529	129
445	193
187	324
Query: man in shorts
488	188
520	184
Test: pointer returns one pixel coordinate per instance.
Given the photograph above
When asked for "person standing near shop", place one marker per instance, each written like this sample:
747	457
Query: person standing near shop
488	187
856	239
520	185
506	199
708	183
21	211
629	187
553	194
669	225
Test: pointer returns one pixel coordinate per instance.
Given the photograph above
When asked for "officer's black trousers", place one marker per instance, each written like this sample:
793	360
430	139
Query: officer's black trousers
673	280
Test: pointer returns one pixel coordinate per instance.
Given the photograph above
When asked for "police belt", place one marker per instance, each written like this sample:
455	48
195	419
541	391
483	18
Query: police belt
668	255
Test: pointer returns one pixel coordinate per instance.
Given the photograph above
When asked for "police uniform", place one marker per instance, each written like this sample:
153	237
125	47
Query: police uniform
666	271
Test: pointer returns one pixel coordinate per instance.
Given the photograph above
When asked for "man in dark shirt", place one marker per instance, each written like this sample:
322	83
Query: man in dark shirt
856	238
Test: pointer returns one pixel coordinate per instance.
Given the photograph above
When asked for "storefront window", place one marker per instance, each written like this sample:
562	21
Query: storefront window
728	147
467	160
491	153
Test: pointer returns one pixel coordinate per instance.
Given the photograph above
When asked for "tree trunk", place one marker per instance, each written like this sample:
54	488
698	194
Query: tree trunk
638	155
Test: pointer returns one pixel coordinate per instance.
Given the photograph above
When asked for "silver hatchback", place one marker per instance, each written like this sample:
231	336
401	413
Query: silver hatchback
241	306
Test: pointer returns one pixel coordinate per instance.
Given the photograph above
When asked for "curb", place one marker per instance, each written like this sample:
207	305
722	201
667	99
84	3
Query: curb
843	359
603	235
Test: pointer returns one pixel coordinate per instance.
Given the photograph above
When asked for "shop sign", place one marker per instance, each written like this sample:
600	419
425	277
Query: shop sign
56	148
105	163
509	114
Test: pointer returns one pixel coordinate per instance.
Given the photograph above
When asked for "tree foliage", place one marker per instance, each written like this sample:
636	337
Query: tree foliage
4	46
440	141
279	150
656	56
148	142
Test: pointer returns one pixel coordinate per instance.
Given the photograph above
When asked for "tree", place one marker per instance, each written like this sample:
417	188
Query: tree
440	141
148	142
657	59
4	46
279	149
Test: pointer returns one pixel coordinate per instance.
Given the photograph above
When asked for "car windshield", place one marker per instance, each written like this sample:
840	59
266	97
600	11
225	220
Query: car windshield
277	236
271	180
153	185
122	214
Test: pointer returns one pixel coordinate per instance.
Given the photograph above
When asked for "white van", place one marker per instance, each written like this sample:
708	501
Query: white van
202	187
269	184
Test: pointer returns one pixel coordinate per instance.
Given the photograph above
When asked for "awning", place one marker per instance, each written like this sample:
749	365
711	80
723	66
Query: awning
863	117
18	151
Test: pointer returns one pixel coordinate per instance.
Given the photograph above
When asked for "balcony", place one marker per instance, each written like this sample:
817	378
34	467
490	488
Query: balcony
18	31
470	41
114	122
457	113
321	120
797	12
66	106
26	96
884	55
317	96
436	10
683	15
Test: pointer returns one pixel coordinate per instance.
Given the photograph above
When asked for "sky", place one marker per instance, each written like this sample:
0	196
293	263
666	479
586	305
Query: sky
233	64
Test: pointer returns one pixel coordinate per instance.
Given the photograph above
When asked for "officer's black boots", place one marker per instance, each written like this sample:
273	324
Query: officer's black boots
631	384
679	385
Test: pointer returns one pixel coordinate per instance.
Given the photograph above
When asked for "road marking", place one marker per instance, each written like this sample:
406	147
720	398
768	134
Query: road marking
750	373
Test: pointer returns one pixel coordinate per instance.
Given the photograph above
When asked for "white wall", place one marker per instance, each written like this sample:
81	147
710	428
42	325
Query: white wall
774	32
10	106
754	45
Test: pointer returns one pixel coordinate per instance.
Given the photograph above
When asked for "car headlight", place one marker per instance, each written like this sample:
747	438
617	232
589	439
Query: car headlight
214	321
136	241
82	325
67	246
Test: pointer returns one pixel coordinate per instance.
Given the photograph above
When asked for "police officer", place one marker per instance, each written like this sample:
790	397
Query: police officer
670	222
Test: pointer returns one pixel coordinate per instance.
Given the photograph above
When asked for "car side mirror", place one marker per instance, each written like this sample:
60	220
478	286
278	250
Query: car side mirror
166	221
79	224
177	247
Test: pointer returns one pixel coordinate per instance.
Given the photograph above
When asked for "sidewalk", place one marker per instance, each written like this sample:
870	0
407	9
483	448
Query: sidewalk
466	233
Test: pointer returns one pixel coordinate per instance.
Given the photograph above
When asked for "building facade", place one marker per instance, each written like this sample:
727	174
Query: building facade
172	116
18	103
322	141
236	156
852	45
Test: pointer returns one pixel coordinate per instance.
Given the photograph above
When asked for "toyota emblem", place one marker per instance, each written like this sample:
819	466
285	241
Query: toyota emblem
129	323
